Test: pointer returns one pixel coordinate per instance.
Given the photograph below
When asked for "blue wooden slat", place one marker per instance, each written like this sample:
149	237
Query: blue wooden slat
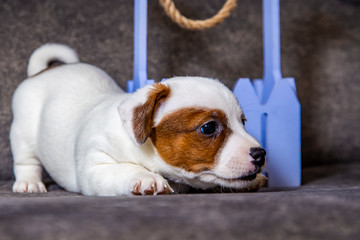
276	111
283	136
272	50
140	51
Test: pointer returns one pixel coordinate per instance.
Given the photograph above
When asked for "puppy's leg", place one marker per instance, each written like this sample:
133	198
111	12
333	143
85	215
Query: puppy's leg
27	168
109	178
28	177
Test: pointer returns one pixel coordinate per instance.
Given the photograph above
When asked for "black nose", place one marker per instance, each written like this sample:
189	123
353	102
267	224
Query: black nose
258	154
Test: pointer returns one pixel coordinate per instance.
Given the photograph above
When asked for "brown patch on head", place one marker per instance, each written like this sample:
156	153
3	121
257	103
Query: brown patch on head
143	115
181	143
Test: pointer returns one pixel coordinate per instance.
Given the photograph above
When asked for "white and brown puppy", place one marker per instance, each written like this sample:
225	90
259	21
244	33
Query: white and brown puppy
93	138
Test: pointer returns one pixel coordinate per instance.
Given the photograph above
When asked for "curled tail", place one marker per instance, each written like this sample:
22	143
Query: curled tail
49	53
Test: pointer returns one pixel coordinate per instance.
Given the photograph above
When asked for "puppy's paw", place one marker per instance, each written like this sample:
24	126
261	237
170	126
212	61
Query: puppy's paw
29	187
150	184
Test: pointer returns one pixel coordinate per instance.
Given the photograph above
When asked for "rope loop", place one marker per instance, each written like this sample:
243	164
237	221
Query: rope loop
191	24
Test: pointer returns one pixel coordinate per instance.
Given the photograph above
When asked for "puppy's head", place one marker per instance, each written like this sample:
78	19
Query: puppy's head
197	128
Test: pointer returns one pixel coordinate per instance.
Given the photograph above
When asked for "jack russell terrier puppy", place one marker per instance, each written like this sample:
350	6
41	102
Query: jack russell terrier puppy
94	139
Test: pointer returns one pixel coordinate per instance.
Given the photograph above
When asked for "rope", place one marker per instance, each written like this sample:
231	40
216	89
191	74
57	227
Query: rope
187	23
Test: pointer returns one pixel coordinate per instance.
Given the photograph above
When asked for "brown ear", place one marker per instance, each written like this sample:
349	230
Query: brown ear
143	115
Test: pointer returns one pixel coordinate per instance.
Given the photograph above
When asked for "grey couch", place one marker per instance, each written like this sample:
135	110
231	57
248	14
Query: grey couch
320	48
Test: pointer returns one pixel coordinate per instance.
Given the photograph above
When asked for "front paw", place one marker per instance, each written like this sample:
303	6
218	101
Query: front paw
150	184
29	187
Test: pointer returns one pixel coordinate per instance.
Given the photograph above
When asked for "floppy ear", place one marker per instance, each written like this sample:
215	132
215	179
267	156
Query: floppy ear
138	111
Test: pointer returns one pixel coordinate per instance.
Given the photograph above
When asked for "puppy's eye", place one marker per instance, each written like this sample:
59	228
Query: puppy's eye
209	128
243	121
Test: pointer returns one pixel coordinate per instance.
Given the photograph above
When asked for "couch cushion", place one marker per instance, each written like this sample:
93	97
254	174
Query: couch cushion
325	207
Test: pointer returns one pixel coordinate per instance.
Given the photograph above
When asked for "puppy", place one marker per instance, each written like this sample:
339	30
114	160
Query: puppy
94	139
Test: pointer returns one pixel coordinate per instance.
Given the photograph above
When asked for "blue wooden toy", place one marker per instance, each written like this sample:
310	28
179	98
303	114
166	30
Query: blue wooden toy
272	108
140	36
270	104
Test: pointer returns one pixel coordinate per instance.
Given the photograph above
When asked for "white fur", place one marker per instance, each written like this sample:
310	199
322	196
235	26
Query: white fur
40	58
77	123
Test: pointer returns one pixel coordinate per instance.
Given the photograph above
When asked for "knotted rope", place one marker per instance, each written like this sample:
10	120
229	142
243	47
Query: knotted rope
191	24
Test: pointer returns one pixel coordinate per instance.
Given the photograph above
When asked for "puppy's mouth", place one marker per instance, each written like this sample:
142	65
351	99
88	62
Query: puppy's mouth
248	177
251	176
248	181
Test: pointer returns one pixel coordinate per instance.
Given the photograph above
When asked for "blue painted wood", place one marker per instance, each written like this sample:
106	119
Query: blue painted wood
272	50
249	102
140	51
283	136
272	108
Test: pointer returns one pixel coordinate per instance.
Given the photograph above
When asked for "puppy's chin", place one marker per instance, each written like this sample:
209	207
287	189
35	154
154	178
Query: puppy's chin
258	182
225	185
